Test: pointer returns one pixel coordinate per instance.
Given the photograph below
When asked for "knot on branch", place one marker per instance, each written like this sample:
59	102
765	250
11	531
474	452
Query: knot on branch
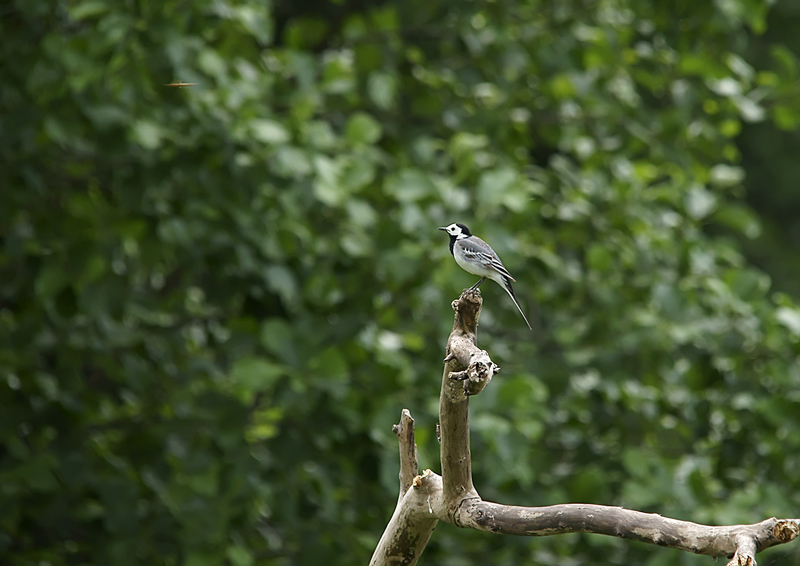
478	374
746	549
742	560
469	508
424	480
786	531
468	309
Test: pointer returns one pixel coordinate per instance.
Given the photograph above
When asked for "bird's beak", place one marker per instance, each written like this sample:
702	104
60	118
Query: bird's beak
443	228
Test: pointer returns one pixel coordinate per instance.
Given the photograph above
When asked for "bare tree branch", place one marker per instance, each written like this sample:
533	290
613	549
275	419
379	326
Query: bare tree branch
409	468
467	370
745	540
411	525
452	497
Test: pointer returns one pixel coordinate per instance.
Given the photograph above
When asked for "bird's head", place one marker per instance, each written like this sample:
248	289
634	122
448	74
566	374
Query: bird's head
457	231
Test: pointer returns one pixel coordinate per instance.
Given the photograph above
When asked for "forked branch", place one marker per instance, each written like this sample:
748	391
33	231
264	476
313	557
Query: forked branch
452	497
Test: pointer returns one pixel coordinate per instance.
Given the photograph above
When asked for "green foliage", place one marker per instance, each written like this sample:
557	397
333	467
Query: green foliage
215	301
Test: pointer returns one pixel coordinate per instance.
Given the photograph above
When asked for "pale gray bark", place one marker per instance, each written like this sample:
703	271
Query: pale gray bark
452	497
411	525
409	468
746	540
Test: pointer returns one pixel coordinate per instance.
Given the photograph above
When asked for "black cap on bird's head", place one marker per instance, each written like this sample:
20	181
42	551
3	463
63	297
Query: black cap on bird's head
456	230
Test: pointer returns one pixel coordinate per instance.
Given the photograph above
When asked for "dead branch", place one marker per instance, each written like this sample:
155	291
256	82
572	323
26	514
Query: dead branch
408	451
452	497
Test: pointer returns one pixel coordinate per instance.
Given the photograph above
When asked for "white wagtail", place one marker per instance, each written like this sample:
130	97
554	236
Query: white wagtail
477	257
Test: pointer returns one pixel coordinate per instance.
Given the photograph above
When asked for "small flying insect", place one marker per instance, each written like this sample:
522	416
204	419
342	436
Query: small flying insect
179	84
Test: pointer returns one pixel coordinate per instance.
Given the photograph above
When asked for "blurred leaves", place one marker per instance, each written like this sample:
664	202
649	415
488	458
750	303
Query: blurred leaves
215	301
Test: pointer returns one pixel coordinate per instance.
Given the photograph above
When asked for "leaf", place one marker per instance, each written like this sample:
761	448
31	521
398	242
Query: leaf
328	187
790	318
357	173
50	280
212	63
93	268
562	87
240	556
255	374
256	19
786	117
599	257
495	184
281	280
292	161
382	88
330	364
700	202
725	175
205	482
269	131
362	129
148	134
361	213
276	337
201	558
88	9
739	218
409	185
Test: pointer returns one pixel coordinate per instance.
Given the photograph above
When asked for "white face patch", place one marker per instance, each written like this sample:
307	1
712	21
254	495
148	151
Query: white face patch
455	230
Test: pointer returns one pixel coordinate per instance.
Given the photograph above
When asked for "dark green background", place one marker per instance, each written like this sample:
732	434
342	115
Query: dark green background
216	300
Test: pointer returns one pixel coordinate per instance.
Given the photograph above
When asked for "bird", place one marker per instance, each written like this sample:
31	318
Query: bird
475	256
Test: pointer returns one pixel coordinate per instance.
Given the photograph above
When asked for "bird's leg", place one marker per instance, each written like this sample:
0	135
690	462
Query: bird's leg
478	284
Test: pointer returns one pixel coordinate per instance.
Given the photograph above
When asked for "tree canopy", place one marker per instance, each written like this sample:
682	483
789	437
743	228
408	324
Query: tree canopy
215	300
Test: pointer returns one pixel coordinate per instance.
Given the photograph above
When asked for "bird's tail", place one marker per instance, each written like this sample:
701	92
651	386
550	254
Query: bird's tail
510	291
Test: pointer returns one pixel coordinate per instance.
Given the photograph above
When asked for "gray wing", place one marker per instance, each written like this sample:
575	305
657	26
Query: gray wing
480	252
